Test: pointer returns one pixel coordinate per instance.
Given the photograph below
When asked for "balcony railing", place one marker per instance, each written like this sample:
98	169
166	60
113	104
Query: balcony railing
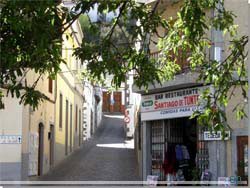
181	60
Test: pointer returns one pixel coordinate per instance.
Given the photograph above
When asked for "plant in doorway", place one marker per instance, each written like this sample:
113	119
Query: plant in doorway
196	174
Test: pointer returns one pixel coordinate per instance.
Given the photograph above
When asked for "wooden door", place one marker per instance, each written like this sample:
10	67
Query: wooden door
242	154
106	102
117	101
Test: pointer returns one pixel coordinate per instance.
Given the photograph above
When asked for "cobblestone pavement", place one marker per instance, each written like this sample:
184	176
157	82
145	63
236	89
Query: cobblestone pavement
107	156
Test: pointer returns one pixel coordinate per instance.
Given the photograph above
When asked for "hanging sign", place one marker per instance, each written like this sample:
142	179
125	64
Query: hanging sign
216	136
10	139
174	104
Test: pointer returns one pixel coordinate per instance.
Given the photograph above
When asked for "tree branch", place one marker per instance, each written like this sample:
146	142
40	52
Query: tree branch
116	22
146	34
77	16
123	32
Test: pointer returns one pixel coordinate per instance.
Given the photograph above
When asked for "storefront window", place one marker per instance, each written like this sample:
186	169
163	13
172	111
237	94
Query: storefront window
157	148
202	158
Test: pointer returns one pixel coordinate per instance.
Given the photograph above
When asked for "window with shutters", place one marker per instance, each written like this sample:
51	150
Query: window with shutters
50	85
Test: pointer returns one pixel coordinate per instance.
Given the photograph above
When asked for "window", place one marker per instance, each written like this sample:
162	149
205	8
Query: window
60	111
50	85
76	119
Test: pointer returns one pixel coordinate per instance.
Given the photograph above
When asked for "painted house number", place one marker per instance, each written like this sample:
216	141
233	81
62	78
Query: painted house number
213	136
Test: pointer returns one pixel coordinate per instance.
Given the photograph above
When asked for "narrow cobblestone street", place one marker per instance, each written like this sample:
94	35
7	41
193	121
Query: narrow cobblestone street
107	156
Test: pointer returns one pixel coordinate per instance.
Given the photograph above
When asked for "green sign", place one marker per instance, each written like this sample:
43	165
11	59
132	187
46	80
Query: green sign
147	103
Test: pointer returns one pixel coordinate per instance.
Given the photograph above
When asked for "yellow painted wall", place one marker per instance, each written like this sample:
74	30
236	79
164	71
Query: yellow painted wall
21	120
72	90
44	114
17	119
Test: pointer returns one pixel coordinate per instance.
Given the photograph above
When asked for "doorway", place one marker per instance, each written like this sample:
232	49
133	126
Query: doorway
167	137
106	102
242	156
52	143
118	101
40	148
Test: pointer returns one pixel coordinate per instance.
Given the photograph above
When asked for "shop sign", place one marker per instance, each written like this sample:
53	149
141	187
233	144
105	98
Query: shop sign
174	104
216	136
147	103
10	139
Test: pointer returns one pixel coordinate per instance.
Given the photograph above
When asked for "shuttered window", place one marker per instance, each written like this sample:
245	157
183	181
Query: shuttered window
50	86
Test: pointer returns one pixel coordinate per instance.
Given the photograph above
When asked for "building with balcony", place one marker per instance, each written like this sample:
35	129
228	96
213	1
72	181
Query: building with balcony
70	98
165	130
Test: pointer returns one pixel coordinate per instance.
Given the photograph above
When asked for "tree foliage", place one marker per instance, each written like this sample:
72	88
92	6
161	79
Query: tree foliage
30	40
31	32
189	33
95	33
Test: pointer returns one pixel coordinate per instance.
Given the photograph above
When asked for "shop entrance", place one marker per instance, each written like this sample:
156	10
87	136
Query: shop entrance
174	148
